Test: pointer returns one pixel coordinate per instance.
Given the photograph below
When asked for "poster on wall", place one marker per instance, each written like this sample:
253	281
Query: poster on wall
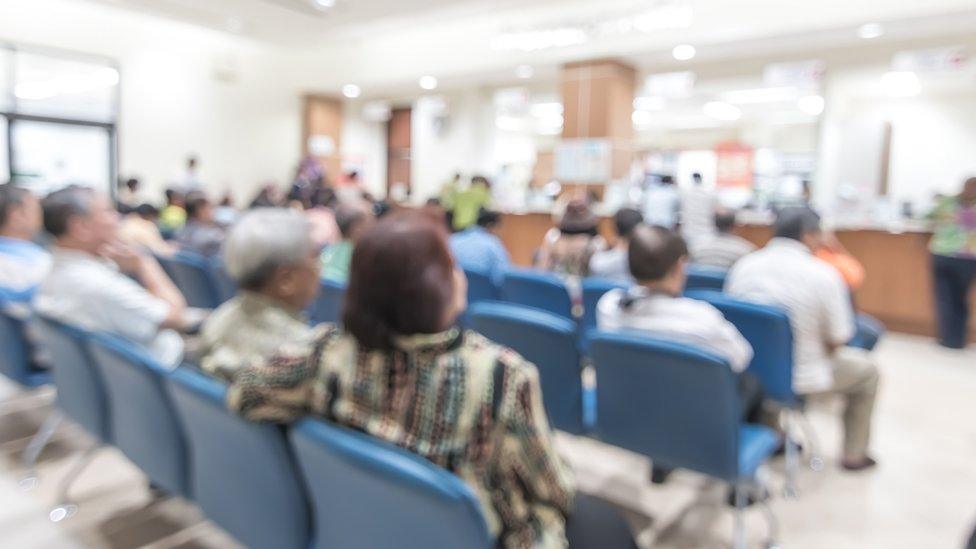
583	161
733	166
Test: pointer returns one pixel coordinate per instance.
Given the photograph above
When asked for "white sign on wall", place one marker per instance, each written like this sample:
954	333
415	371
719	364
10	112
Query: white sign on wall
930	60
797	74
583	160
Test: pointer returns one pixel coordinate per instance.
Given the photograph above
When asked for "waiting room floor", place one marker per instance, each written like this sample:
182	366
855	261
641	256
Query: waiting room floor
923	494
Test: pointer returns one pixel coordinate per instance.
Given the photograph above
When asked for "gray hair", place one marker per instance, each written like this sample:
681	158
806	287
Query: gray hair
60	206
263	240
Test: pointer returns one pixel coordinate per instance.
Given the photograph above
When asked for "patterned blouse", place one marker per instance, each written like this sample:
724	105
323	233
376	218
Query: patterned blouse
955	229
433	395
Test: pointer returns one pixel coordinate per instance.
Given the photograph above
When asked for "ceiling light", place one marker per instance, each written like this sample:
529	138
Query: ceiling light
546	110
720	110
650	103
524	71
539	39
351	91
900	84
324	4
428	82
868	31
641	118
811	104
683	52
760	95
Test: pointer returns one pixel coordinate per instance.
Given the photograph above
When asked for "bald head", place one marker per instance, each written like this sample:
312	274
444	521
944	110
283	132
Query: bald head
654	252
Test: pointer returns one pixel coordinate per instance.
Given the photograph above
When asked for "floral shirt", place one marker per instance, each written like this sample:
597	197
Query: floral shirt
955	229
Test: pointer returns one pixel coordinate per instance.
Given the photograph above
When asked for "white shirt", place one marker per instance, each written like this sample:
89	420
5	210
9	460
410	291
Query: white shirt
661	205
720	251
611	264
680	318
697	214
89	292
787	274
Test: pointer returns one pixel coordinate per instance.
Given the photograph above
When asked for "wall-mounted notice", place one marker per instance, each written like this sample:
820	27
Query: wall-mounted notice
800	74
583	160
930	60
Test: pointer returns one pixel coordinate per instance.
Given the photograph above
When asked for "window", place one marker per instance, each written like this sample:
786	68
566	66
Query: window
52	155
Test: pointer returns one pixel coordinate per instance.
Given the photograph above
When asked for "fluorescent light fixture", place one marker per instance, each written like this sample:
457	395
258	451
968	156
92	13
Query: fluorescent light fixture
535	40
900	84
642	118
351	91
428	82
683	52
524	72
546	110
811	104
669	16
650	103
721	110
509	123
324	4
760	95
869	31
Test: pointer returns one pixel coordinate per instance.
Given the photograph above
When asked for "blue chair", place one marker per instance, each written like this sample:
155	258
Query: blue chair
225	285
143	419
243	474
549	342
481	287
593	290
191	274
366	493
679	406
15	360
538	289
869	331
82	397
327	307
705	278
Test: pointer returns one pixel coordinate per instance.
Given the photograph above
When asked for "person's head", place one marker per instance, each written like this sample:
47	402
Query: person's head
352	221
174	198
199	208
480	180
724	220
657	258
800	224
323	197
270	251
578	219
488	219
132	184
968	194
353	176
667	179
696	178
191	162
80	218
625	221
147	212
20	212
402	281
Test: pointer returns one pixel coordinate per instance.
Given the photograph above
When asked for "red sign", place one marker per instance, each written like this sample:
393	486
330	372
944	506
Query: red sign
733	168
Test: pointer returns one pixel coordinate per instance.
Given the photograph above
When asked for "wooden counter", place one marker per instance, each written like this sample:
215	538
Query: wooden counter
897	289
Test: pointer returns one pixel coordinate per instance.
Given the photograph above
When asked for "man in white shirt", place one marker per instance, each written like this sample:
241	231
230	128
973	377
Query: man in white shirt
787	274
723	249
87	286
697	212
657	258
661	201
612	264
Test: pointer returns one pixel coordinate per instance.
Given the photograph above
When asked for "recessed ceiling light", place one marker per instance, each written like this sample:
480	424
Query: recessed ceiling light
811	104
351	91
868	31
524	71
324	4
428	82
683	52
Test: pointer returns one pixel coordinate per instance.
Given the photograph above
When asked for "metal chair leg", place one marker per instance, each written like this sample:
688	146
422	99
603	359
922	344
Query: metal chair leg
36	446
816	462
772	540
65	508
790	489
739	536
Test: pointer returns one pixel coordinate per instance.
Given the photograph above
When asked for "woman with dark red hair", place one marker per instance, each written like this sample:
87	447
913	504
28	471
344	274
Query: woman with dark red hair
400	370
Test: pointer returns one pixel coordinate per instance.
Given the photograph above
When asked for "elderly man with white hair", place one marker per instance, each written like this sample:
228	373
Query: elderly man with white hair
271	255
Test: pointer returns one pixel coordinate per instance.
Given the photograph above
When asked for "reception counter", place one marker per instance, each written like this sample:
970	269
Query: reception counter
897	290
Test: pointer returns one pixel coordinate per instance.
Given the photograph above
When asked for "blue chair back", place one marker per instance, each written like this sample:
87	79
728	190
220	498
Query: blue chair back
191	274
367	493
671	402
81	389
143	420
593	290
767	329
225	285
538	289
243	474
549	342
705	278
15	358
481	287
327	307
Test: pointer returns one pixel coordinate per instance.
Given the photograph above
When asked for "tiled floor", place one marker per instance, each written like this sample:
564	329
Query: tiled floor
922	495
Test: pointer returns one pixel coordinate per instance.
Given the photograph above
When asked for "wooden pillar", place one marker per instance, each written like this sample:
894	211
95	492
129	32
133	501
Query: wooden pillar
322	121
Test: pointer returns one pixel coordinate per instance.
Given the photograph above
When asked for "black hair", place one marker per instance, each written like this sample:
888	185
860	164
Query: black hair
195	202
60	206
488	218
347	217
654	251
146	210
725	220
626	220
796	222
11	196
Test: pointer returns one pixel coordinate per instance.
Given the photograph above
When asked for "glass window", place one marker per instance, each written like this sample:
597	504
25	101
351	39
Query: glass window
64	88
50	155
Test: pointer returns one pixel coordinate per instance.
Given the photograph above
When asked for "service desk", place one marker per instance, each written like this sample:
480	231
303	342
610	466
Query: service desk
897	289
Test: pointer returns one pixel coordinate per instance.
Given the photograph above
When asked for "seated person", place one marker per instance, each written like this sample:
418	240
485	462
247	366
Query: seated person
271	256
352	220
88	287
400	351
786	273
23	264
139	228
567	249
722	249
657	259
612	264
201	234
173	216
478	247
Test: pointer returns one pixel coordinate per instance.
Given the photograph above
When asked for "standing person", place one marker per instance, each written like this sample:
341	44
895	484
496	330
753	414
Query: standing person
201	234
478	247
787	274
722	249
697	212
128	195
612	264
336	259
189	179
23	264
567	249
953	248
661	202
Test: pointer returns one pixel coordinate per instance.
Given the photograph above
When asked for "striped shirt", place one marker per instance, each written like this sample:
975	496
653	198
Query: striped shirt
720	251
787	274
433	395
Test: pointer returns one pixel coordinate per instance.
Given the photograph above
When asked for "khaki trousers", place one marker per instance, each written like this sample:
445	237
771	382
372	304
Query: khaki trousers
856	381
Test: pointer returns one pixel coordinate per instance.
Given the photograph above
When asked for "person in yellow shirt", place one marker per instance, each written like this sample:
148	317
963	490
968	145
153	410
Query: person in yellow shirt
467	203
173	216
